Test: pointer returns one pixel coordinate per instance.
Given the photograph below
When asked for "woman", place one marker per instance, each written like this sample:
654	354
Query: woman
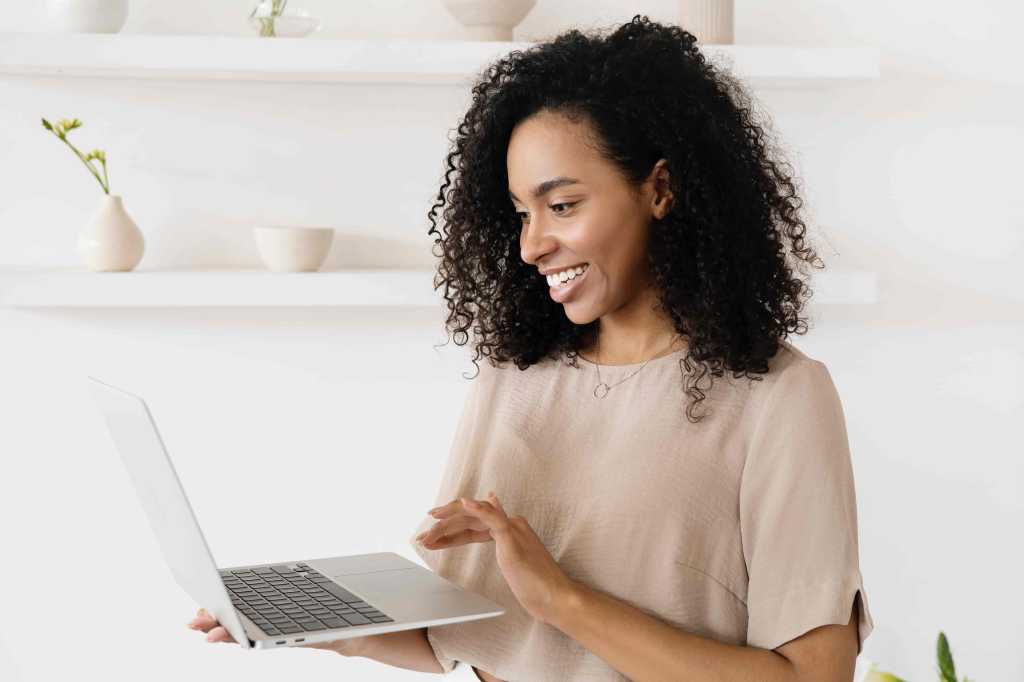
617	235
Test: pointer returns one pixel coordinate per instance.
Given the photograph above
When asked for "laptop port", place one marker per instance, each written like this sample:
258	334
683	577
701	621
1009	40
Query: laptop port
283	641
301	639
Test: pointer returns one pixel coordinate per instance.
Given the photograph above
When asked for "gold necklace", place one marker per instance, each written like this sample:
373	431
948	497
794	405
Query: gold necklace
602	389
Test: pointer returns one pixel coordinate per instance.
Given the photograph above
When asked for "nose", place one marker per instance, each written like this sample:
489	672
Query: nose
534	241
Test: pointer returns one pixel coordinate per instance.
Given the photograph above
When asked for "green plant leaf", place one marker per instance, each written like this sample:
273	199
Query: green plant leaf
946	668
46	124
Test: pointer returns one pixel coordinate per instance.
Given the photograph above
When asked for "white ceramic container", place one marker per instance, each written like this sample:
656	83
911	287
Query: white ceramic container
293	249
489	19
111	242
87	16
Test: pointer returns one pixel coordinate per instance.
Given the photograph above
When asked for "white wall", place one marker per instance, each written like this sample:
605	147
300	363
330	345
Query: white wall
911	176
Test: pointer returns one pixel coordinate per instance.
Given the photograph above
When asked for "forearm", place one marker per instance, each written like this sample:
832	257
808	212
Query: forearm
646	649
403	649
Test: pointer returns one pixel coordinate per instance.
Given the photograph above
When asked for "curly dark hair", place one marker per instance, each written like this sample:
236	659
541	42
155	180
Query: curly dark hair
717	257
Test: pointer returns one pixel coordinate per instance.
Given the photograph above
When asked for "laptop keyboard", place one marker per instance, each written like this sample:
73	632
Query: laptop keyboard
294	598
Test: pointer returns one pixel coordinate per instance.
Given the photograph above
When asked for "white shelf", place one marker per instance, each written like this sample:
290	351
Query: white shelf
25	287
214	57
80	288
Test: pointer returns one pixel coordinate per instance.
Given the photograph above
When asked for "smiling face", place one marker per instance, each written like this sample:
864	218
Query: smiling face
593	217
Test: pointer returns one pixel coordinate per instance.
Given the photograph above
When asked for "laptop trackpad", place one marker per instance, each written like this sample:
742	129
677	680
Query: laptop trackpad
392	584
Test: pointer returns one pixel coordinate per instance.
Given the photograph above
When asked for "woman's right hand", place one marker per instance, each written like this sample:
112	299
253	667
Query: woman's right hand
215	632
454	528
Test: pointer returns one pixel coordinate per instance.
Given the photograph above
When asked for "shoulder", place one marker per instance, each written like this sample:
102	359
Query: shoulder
491	370
499	384
796	425
791	369
487	374
796	384
789	357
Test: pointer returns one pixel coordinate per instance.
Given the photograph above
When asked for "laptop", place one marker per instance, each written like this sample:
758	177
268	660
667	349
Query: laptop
283	603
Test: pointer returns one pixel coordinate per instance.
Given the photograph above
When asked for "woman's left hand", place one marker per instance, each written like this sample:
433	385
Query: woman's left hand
531	572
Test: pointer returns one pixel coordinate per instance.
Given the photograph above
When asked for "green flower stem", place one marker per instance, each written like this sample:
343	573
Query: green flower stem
267	24
87	164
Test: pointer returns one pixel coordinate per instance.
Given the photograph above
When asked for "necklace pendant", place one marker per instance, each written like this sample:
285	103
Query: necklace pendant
601	390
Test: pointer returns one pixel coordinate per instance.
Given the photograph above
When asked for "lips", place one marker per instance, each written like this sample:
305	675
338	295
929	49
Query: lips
573	266
568	268
563	292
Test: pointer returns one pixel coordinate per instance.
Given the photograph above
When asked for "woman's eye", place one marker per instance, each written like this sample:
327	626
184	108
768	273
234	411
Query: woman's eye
521	214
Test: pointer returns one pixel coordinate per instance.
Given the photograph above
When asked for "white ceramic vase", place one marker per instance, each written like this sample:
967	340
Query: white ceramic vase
111	242
87	16
711	21
489	19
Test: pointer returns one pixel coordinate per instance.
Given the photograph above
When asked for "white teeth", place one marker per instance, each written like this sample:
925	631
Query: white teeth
566	275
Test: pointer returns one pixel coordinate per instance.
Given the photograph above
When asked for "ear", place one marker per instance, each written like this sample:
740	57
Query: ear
663	199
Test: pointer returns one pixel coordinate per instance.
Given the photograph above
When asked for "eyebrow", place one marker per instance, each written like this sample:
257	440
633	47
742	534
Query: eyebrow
548	185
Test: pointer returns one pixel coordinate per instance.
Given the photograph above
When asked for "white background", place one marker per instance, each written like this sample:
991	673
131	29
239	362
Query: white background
915	176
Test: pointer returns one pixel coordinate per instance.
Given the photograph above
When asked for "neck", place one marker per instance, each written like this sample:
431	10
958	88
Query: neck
634	333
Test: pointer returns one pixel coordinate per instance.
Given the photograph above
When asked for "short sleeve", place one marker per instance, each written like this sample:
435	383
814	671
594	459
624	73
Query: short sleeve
447	663
798	513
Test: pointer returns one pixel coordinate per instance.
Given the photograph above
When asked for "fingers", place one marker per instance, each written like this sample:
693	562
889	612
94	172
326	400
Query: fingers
458	538
450	526
465	520
488	513
446	510
219	634
494	500
455	507
205	622
445	527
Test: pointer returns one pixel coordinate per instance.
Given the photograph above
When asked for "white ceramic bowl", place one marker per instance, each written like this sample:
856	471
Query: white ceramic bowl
293	249
87	16
489	19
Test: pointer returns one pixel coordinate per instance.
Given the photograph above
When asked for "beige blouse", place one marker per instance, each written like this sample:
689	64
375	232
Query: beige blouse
742	528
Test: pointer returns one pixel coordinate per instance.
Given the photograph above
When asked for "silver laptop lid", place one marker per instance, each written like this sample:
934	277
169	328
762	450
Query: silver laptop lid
170	515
